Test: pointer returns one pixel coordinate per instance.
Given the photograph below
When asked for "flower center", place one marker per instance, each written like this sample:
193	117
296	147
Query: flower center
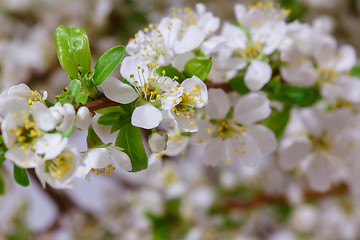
227	129
59	166
26	134
321	143
251	51
107	170
327	76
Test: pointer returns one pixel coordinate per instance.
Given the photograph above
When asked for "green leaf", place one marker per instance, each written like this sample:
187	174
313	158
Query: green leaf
93	140
74	87
73	50
108	119
277	121
2	158
355	71
199	66
82	97
2	185
294	95
107	63
21	176
238	85
298	9
110	109
129	138
170	72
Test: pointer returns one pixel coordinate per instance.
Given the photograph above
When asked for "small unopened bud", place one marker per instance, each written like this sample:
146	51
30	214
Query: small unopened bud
83	118
64	116
158	141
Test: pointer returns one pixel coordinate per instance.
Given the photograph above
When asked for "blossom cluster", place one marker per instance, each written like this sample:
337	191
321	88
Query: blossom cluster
239	92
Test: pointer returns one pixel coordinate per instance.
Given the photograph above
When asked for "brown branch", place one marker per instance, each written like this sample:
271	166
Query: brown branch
262	198
103	101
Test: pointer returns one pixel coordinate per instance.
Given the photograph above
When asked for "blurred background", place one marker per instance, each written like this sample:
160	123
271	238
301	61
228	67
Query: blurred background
180	198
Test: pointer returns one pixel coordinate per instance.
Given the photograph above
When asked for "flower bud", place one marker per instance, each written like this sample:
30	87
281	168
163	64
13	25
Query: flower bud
64	116
83	118
158	141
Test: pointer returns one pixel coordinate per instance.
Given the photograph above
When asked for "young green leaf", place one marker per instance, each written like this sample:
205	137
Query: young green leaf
107	63
21	176
170	72
93	140
198	66
129	138
82	97
355	71
2	185
300	96
238	85
73	50
2	158
277	121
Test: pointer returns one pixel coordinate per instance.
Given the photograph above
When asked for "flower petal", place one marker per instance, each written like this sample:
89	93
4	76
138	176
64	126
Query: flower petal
192	39
252	108
146	116
257	75
244	149
292	151
264	137
219	104
121	158
346	58
118	91
319	173
214	152
42	116
13	104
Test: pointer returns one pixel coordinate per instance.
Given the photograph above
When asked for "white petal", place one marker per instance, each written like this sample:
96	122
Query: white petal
98	158
121	158
192	39
20	90
69	117
192	83
172	34
18	156
264	137
214	152
325	52
236	38
276	37
42	116
240	11
346	58
244	149
252	108
83	118
257	75
292	151
146	116
319	173
51	145
118	91
13	104
133	68
186	124
157	142
180	60
213	44
174	148
219	104
6	126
